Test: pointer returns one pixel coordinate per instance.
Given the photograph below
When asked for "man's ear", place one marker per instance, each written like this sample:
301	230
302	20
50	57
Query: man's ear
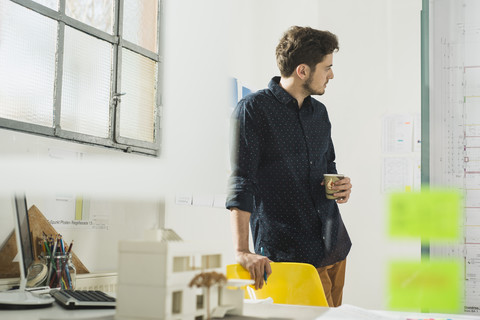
302	71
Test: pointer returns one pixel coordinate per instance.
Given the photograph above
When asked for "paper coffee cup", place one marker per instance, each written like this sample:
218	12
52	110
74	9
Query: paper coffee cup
328	180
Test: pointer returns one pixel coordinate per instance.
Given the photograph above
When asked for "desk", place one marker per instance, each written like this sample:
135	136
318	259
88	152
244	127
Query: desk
251	311
342	313
57	312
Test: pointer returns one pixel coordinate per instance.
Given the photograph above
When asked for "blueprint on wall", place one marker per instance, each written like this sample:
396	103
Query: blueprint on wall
455	126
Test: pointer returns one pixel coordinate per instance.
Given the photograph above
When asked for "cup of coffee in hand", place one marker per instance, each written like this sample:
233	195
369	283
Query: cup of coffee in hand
328	180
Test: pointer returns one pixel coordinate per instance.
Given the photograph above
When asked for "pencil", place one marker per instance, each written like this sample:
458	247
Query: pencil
70	247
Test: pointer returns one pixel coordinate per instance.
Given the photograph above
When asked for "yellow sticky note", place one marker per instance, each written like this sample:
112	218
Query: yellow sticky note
435	286
78	208
434	215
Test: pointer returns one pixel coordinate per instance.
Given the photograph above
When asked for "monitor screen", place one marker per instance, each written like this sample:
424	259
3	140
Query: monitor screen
22	298
24	232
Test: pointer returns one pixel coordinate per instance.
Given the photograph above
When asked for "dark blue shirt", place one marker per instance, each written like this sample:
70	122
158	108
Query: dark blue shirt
279	155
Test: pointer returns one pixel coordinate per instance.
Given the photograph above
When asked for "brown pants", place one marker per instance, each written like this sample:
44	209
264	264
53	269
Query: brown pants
333	279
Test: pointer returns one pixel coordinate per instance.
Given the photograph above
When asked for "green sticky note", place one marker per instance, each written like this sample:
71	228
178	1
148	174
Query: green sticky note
435	286
433	215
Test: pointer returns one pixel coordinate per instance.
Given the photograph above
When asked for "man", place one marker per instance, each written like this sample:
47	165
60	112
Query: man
282	148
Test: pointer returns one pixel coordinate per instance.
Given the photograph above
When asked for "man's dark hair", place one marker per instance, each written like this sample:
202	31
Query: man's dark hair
303	45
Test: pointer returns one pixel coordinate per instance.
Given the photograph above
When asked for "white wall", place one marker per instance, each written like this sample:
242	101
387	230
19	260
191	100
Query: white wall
377	72
196	117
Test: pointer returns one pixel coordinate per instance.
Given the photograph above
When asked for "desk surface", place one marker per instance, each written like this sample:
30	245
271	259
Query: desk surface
342	313
56	312
251	311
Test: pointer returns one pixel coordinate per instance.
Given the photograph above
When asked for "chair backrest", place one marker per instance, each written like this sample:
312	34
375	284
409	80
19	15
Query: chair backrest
289	283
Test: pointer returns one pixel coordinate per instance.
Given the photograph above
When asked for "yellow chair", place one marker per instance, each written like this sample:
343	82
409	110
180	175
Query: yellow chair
289	283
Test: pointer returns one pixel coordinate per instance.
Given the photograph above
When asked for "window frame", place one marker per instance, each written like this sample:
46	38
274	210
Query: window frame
114	139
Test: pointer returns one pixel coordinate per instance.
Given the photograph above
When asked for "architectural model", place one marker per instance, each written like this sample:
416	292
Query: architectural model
154	277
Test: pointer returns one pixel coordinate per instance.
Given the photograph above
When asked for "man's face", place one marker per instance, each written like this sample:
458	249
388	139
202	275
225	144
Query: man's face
317	81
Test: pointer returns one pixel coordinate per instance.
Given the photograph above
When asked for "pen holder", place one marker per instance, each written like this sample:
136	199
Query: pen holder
61	270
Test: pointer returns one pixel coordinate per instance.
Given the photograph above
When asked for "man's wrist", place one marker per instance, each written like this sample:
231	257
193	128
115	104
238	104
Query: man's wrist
242	257
239	253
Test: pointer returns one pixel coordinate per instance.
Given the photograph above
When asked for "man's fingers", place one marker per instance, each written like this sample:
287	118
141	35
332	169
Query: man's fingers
343	184
268	269
258	270
259	283
343	197
343	194
345	188
258	277
342	200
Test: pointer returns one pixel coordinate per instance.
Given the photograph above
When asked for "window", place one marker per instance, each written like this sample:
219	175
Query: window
177	302
211	261
181	264
200	301
83	70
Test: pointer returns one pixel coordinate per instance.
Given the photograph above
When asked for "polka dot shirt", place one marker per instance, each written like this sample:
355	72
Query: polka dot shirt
279	155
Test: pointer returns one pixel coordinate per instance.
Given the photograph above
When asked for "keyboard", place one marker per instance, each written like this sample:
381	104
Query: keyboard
75	299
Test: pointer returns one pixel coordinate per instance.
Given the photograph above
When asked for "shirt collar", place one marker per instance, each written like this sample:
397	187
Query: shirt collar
280	93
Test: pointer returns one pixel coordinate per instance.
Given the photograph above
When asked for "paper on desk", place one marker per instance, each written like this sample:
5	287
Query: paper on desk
355	313
268	300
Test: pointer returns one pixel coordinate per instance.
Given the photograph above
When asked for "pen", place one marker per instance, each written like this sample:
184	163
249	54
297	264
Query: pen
70	247
70	286
62	245
52	257
46	247
59	274
265	272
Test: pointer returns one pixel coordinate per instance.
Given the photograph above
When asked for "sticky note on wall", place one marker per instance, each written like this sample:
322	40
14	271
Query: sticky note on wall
434	215
435	286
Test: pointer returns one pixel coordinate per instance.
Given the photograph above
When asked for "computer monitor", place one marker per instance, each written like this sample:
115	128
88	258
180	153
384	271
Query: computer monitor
21	298
26	250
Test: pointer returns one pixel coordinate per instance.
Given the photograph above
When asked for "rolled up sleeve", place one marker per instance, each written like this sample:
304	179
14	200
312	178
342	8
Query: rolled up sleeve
244	157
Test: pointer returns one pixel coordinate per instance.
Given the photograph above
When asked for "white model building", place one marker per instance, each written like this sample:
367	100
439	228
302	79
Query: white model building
153	280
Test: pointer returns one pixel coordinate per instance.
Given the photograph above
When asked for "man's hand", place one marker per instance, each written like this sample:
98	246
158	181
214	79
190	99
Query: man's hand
345	188
257	265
